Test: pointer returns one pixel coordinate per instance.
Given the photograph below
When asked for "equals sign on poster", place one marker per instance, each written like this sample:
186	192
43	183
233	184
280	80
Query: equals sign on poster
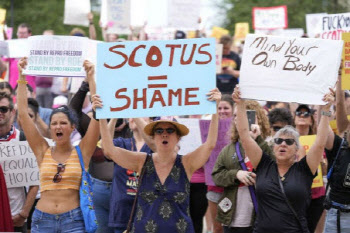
156	78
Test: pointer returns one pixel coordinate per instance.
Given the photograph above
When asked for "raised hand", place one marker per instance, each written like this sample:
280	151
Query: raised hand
236	95
96	102
214	95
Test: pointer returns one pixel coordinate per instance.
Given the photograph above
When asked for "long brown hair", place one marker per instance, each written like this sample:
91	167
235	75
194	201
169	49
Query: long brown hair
263	121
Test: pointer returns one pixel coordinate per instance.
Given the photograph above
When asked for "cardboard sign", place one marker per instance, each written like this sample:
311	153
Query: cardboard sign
345	76
118	16
61	56
19	164
155	78
183	14
2	15
333	25
76	12
17	48
289	69
292	32
4	50
307	142
218	32
270	17
222	140
241	31
193	140
314	24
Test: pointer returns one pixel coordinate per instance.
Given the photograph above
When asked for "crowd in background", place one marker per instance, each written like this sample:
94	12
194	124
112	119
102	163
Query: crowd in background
46	107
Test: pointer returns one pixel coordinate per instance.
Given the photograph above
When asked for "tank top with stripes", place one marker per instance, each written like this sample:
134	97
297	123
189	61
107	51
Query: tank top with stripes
71	176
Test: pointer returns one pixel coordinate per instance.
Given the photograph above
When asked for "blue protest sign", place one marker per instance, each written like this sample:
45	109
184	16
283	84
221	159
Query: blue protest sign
155	78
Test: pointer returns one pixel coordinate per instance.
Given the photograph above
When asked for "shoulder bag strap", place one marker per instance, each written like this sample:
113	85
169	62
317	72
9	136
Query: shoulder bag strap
336	157
80	158
288	203
251	188
137	192
330	172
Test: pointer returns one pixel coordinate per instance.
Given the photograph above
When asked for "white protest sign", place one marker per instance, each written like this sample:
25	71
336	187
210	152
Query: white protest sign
314	24
118	16
61	56
292	32
4	50
289	69
19	164
333	25
193	140
76	12
103	14
270	17
183	14
218	54
18	48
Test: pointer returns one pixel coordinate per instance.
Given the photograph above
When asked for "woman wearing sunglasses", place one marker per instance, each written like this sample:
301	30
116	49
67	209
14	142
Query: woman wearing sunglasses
163	196
235	207
283	186
58	210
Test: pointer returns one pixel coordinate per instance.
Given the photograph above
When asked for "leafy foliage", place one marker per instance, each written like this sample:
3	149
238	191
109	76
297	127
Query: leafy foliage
42	15
241	10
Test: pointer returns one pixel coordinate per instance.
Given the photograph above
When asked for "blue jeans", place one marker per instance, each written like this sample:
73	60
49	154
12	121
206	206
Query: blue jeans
119	230
102	194
71	221
331	221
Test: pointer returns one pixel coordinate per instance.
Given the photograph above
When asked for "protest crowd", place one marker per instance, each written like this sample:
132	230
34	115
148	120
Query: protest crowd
238	152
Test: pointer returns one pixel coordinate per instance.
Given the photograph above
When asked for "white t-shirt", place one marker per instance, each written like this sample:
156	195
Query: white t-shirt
17	198
244	208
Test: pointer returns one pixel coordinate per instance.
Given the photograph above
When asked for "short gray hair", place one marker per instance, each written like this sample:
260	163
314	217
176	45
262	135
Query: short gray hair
288	130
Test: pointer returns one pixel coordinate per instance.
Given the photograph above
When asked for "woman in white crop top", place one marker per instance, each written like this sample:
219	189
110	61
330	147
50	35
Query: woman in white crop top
58	210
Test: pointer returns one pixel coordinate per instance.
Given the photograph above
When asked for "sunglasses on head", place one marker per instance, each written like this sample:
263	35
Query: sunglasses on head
58	177
289	141
304	114
161	130
276	128
4	109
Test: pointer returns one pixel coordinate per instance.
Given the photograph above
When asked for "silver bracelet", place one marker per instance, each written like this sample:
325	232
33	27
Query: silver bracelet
324	113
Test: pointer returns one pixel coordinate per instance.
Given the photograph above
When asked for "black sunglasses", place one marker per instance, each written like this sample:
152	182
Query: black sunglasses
304	114
159	131
289	141
4	109
276	128
58	177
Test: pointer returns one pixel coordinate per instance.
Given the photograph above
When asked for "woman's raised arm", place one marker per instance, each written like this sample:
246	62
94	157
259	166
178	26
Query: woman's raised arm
36	141
196	159
251	148
124	158
324	134
90	139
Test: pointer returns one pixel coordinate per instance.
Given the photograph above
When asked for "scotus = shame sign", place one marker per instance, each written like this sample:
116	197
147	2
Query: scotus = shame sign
155	78
289	69
61	56
19	164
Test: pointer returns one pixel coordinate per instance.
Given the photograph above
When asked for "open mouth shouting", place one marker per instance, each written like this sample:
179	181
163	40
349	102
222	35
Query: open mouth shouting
59	135
164	142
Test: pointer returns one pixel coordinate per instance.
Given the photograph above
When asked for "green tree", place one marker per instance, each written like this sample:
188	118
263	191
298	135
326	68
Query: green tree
241	10
42	15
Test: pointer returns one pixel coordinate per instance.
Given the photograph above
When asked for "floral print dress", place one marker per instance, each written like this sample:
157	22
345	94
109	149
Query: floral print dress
163	207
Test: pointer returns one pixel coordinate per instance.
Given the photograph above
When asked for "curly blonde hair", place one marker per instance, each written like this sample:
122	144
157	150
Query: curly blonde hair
263	121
